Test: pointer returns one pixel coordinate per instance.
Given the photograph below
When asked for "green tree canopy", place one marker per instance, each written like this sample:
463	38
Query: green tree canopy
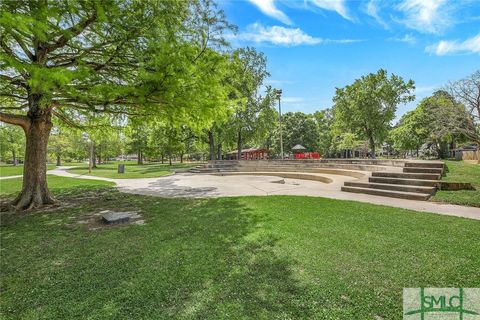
367	106
72	59
300	128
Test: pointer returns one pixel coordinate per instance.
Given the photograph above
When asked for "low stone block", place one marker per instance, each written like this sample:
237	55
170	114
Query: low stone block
116	217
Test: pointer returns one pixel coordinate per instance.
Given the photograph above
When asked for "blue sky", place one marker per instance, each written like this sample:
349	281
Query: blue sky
313	46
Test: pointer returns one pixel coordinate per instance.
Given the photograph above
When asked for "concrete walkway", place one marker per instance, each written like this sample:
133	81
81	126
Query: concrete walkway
197	186
10	177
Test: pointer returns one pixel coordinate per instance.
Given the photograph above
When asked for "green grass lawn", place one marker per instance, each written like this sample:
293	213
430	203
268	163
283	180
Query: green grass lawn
7	170
460	171
277	257
56	184
132	170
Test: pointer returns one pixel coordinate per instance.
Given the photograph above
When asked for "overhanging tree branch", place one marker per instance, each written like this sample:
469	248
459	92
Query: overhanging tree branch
15	119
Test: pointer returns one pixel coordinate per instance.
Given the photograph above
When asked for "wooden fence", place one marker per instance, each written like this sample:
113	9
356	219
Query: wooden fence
471	155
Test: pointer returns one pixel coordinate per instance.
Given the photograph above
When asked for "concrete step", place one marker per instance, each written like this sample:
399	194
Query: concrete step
408	182
394	187
388	193
424	164
219	165
404	175
423	170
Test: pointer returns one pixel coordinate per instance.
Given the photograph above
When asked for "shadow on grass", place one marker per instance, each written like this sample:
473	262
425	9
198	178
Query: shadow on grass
194	259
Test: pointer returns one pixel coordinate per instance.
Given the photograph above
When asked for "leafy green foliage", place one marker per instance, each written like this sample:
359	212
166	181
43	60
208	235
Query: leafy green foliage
12	141
368	106
300	128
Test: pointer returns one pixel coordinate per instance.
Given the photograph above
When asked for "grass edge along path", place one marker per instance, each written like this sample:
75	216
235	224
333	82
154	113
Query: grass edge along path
132	170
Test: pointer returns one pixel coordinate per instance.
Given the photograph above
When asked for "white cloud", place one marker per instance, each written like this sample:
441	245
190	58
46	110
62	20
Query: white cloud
427	16
282	36
444	47
268	7
408	38
338	6
293	100
373	11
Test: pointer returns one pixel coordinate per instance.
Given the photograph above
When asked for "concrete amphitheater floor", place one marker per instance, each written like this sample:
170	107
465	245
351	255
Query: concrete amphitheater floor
208	185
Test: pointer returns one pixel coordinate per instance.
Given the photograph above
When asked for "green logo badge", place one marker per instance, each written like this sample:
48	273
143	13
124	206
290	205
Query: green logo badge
441	303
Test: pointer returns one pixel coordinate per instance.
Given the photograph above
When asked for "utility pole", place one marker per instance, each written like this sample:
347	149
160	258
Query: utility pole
278	95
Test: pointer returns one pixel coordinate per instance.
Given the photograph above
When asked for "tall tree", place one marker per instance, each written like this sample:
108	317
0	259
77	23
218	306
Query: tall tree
248	71
467	92
367	106
71	59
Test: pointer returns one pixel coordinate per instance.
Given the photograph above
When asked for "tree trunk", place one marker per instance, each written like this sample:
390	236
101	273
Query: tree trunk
59	160
219	151
181	158
163	158
211	144
239	145
372	147
94	157
139	157
170	159
35	192
14	155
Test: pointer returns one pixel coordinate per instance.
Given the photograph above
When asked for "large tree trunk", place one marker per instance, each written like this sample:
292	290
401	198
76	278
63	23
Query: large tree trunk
181	158
59	160
239	145
211	145
35	192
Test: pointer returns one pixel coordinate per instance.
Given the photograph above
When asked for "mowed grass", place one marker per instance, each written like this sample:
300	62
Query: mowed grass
56	184
460	171
276	257
132	170
7	170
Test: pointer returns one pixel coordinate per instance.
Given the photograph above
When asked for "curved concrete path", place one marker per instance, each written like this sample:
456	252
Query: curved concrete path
205	185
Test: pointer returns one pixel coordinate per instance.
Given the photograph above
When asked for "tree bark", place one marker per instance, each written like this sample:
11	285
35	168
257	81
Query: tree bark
211	144
35	191
170	159
372	147
14	155
139	157
219	151
181	158
59	160
94	157
239	145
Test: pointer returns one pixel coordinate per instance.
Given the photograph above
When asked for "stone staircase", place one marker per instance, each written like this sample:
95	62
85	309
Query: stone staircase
414	180
418	181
